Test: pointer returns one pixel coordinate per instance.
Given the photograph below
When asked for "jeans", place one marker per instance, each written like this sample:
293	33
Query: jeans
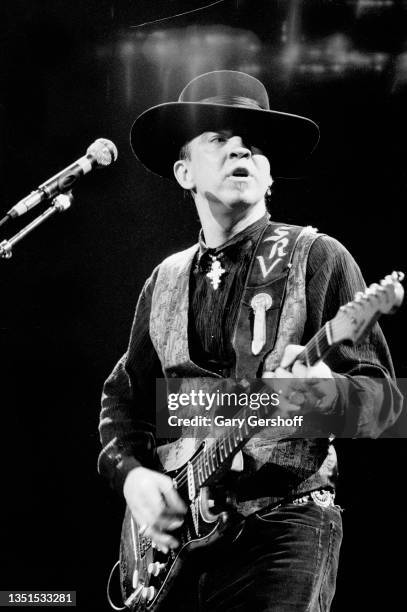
285	560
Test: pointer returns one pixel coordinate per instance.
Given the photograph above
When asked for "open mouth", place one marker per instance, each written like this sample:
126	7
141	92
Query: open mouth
240	173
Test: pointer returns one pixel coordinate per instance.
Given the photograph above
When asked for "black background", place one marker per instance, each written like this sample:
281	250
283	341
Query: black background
71	72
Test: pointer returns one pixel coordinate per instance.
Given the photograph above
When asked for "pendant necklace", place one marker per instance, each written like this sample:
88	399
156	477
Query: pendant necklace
216	271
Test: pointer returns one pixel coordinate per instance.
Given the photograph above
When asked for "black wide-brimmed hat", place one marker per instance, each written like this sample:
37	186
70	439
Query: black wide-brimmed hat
223	99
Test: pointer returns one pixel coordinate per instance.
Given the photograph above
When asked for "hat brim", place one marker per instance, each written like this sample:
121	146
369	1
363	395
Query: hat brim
159	133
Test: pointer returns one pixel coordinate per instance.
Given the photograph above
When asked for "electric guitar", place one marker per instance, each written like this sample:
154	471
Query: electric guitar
146	573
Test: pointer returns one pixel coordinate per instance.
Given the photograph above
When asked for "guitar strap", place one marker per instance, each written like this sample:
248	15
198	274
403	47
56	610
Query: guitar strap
263	296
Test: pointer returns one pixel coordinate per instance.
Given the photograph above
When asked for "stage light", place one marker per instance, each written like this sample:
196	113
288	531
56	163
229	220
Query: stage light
127	49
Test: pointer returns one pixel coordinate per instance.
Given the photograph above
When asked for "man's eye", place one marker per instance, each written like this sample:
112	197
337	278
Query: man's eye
218	138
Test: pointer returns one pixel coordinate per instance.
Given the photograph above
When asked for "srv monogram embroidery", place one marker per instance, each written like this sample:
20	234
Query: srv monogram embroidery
277	251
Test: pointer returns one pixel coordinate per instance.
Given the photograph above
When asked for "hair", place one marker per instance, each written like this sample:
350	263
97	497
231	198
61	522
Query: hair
185	152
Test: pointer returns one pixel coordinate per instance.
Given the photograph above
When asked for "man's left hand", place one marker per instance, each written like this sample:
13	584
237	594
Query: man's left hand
309	388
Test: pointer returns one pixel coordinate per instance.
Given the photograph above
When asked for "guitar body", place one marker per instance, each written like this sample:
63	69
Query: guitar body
146	573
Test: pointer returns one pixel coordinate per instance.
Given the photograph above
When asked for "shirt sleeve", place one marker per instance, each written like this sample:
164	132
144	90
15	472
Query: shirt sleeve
127	418
368	399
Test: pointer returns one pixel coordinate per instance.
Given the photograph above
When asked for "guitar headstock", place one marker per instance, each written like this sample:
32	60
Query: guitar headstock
354	320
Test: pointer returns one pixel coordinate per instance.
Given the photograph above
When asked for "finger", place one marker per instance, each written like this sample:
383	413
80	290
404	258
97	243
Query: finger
283	381
175	504
320	370
327	393
268	374
286	406
175	524
289	383
314	383
282	373
158	504
280	385
163	540
291	351
271	380
317	386
300	370
296	398
168	523
162	523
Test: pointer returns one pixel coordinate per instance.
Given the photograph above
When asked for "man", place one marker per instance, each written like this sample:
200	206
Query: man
240	304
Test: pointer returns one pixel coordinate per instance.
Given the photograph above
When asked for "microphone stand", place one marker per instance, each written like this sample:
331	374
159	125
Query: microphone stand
59	204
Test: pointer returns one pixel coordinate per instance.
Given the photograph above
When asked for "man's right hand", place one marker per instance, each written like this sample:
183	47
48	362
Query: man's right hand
155	505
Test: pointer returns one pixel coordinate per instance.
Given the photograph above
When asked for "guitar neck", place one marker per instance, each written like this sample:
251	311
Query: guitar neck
318	347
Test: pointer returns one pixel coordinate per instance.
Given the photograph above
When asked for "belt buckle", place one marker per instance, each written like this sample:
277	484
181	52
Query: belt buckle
323	498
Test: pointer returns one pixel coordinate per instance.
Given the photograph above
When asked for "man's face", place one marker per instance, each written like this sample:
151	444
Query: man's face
226	169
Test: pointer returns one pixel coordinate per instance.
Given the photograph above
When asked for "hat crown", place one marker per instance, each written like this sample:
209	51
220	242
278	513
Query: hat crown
221	86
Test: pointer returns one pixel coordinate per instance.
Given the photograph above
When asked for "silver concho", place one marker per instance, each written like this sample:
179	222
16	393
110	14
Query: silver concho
323	498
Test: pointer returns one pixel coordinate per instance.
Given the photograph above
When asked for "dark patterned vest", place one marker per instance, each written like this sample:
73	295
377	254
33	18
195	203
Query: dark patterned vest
273	470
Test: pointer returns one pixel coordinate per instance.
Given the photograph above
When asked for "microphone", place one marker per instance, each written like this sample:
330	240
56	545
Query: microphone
100	154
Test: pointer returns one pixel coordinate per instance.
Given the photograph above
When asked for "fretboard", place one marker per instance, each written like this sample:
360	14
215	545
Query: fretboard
317	347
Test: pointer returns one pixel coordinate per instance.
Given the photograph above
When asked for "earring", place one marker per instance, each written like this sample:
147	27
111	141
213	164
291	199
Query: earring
268	192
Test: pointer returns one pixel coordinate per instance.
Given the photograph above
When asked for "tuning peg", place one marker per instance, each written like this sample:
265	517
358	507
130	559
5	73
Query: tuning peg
393	278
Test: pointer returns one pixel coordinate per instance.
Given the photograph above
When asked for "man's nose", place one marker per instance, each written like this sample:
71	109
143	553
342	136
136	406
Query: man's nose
238	149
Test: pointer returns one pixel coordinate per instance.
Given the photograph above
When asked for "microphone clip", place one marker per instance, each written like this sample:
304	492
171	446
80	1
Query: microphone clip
60	203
